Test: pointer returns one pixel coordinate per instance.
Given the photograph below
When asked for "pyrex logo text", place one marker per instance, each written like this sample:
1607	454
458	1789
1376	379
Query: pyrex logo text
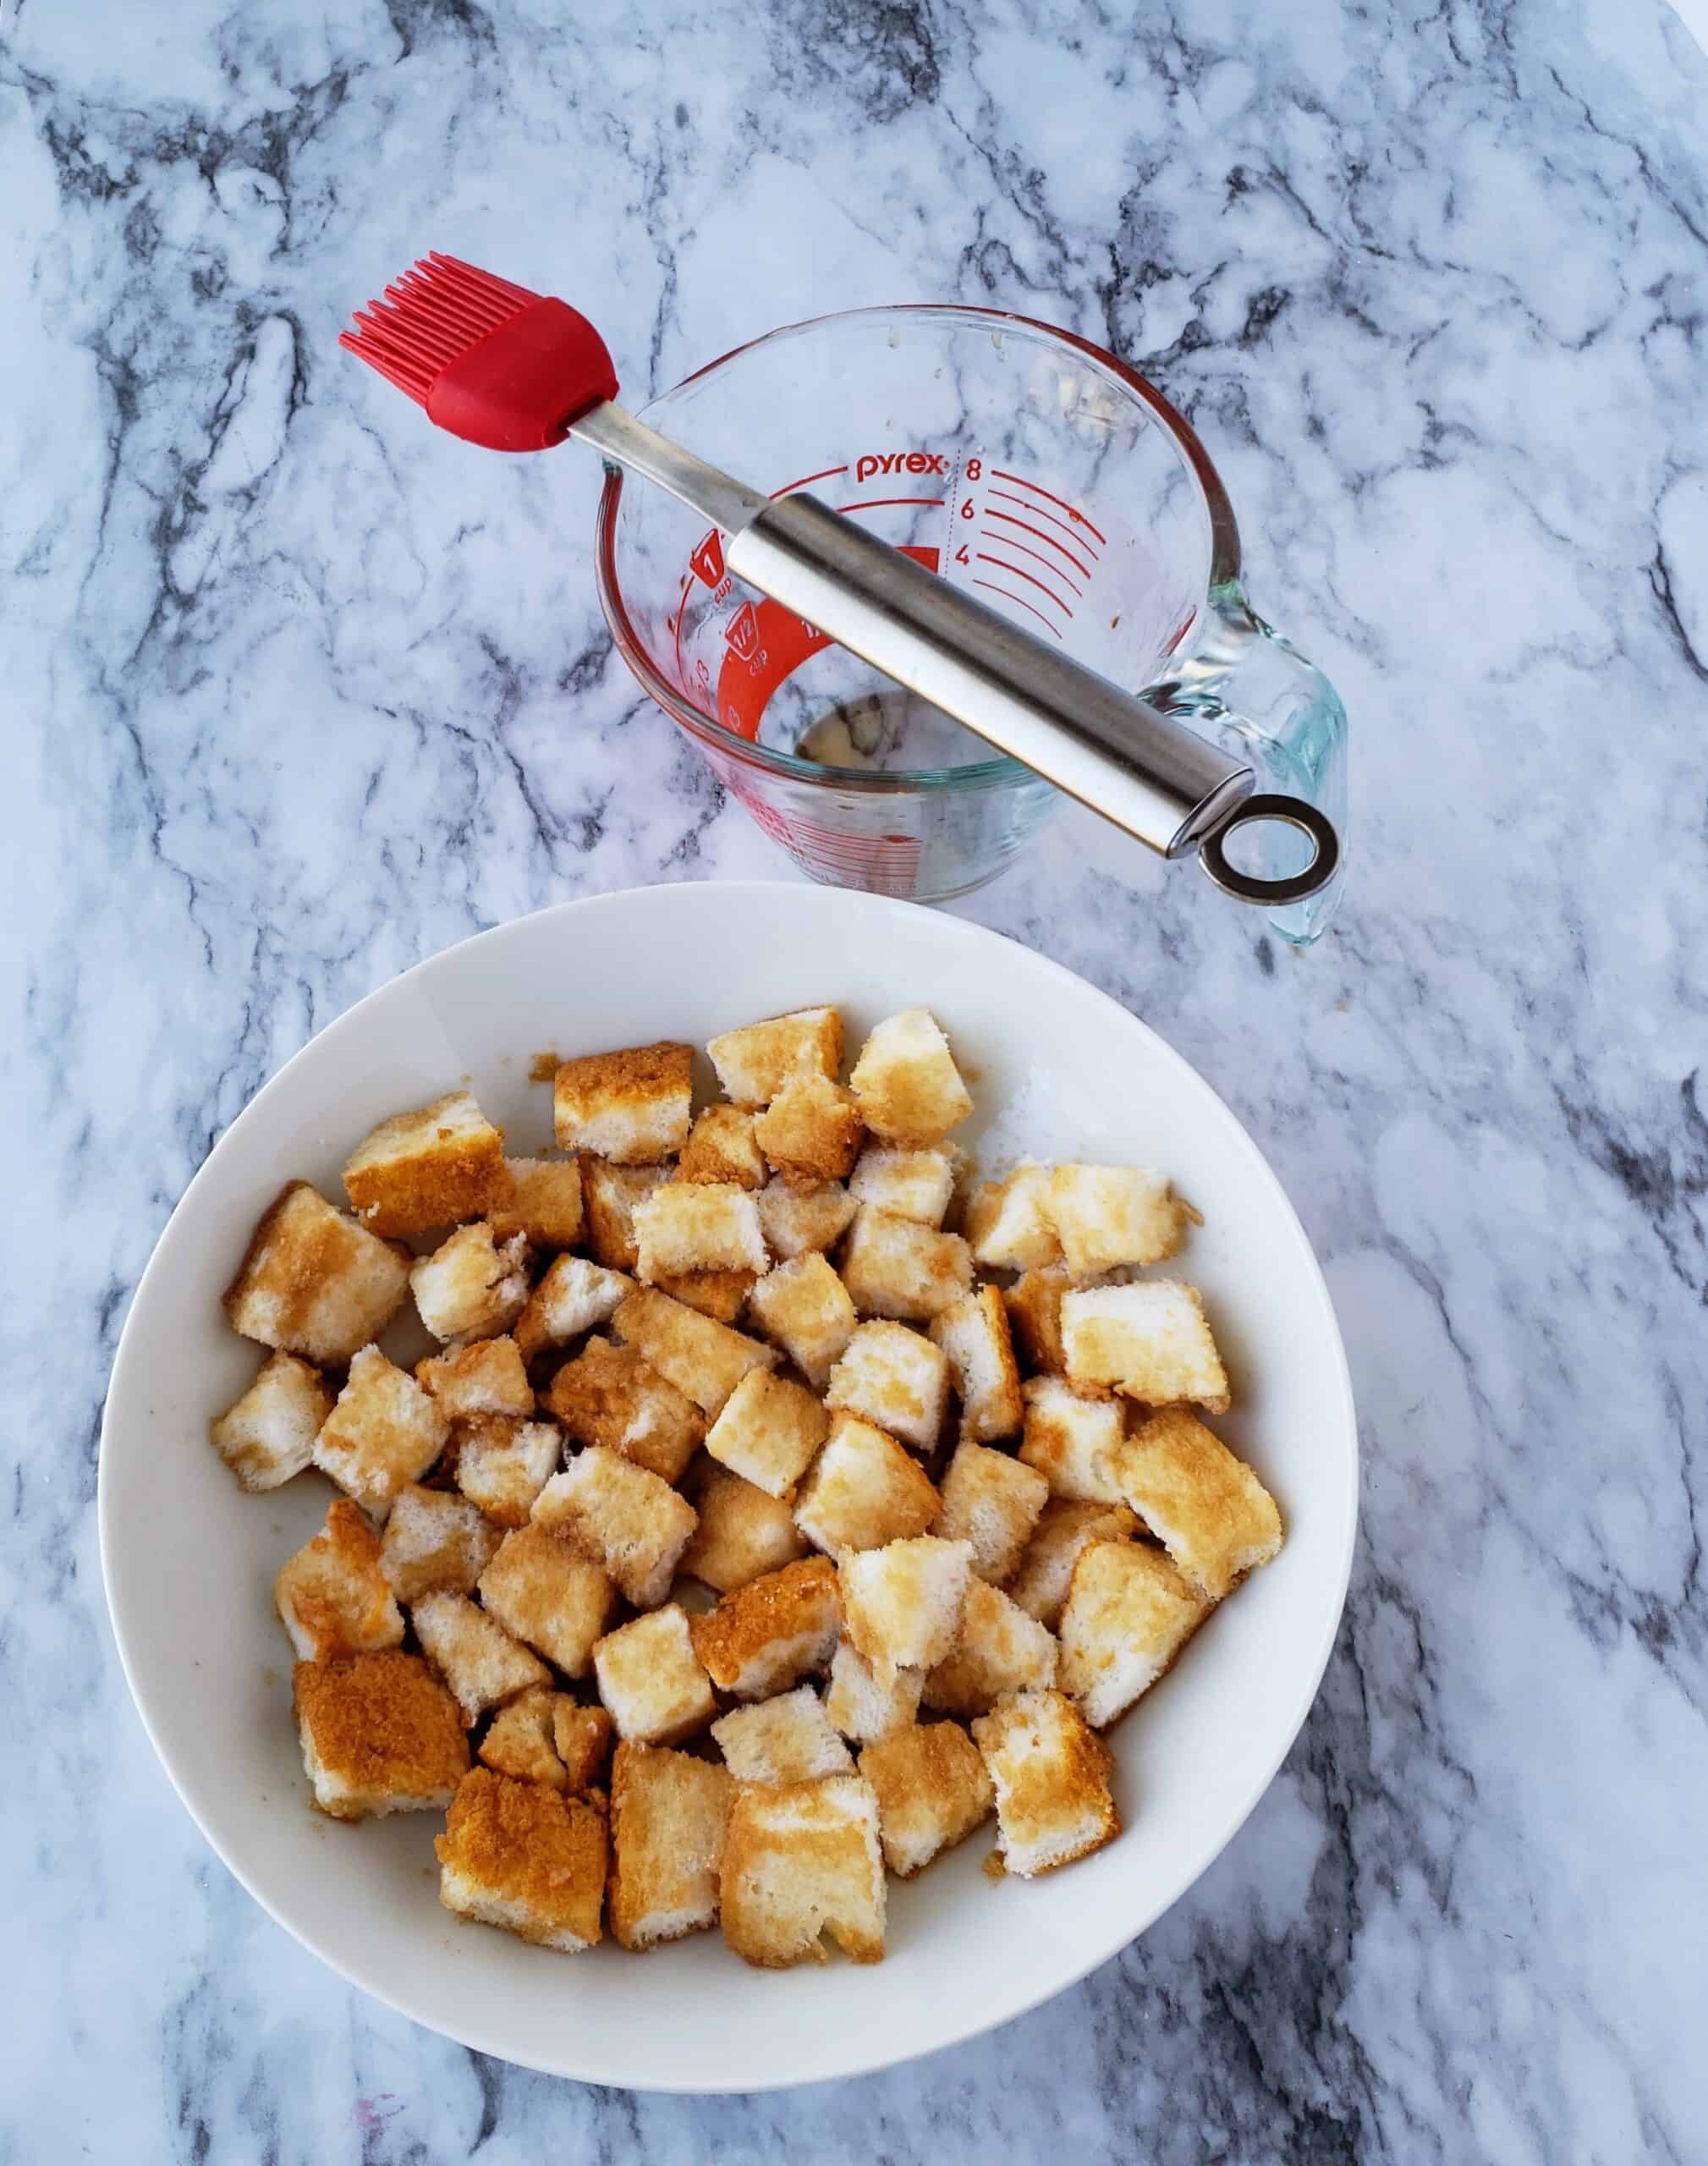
900	462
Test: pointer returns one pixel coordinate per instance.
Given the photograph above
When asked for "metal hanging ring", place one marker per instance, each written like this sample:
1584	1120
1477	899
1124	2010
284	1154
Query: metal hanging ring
1296	813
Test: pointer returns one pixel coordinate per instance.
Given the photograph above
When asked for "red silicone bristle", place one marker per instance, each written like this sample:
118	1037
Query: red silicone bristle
435	311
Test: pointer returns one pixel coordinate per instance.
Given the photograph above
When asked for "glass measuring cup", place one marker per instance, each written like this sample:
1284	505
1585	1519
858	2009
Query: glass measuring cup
1010	457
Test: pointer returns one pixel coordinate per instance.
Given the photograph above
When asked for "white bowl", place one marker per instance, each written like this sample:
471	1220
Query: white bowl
1058	1070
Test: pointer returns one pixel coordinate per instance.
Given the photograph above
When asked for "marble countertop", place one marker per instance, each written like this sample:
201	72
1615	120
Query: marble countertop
296	693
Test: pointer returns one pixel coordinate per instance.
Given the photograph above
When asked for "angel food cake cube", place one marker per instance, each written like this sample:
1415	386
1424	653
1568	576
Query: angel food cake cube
975	1335
613	1396
380	1734
435	1540
902	1604
1040	1587
908	1088
479	1661
1033	1304
910	1184
470	1287
761	1638
383	1434
1207	1508
520	1741
897	1267
542	1202
1073	1439
755	1062
668	1814
333	1597
1109	1215
799	1220
722	1147
786	1740
894	1378
720	1295
582	1736
574	1296
430	1167
485	1377
705	1360
811	1130
520	1856
1129	1613
998	1649
992	1502
802	1860
863	1491
502	1464
628	1521
313	1282
1150	1341
742	1533
769	1431
267	1437
1051	1776
613	1193
632	1107
692	1226
549	1597
652	1683
1009	1224
932	1790
865	1706
804	1307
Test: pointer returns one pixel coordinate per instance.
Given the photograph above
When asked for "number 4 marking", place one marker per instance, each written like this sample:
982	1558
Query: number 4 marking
961	556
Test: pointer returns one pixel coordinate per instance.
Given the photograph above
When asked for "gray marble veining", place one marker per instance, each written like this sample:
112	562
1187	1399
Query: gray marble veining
296	691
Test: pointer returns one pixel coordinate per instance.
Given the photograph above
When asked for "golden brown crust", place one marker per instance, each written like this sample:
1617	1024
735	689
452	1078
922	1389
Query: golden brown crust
612	1395
930	1774
812	1131
702	1358
720	1146
1043	1780
548	1595
338	1598
754	1061
527	1845
802	1602
631	1105
609	1194
720	1295
410	1175
668	1812
1204	1505
292	1276
519	1742
742	1532
543	1202
780	1844
486	1377
582	1737
1033	1304
381	1722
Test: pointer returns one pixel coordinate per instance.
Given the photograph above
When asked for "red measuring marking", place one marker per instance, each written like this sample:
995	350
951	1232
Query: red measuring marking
1008	496
1061	548
824	473
1019	572
876	504
1075	589
1071	510
1022	602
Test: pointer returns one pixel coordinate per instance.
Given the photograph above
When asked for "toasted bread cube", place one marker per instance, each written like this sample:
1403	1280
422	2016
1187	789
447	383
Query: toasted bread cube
1129	1613
519	1740
894	1378
611	1395
520	1856
1150	1341
435	1541
268	1435
1052	1775
632	1107
933	1789
975	1335
897	1267
703	1359
865	1706
686	1226
805	1308
543	1203
470	1287
1074	1440
801	1860
383	1434
1040	1587
332	1597
668	1814
906	1082
1034	1303
574	1296
799	1220
486	1377
786	1740
380	1734
427	1168
503	1464
810	1132
312	1281
722	1147
1009	1224
720	1295
611	1194
629	1521
479	1661
1207	1508
549	1597
760	1637
582	1738
753	1063
908	1184
741	1533
863	1491
998	1649
1110	1215
992	1502
768	1431
652	1683
902	1604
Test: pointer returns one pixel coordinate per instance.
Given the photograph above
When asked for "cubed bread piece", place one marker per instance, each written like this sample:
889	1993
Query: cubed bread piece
895	1378
992	1502
427	1168
612	1395
479	1661
632	1107
865	1706
897	1267
810	1132
628	1521
1129	1613
668	1814
1150	1341
312	1281
470	1287
520	1856
332	1597
768	1431
486	1377
975	1335
902	1604
268	1435
1052	1775
755	1062
933	1789
1008	1225
504	1463
998	1649
574	1296
380	1734
435	1541
799	1220
909	1089
741	1533
760	1637
1110	1215
801	1860
910	1184
804	1307
786	1740
382	1435
543	1203
611	1194
520	1741
720	1295
686	1226
703	1359
863	1491
652	1683
1040	1587
1034	1303
548	1596
1207	1508
721	1148
582	1736
1073	1439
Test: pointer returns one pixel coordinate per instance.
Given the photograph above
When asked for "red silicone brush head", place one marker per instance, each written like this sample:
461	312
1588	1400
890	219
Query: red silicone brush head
490	361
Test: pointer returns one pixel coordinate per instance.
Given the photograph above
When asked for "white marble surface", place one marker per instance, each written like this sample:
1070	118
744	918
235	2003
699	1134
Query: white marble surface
296	692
